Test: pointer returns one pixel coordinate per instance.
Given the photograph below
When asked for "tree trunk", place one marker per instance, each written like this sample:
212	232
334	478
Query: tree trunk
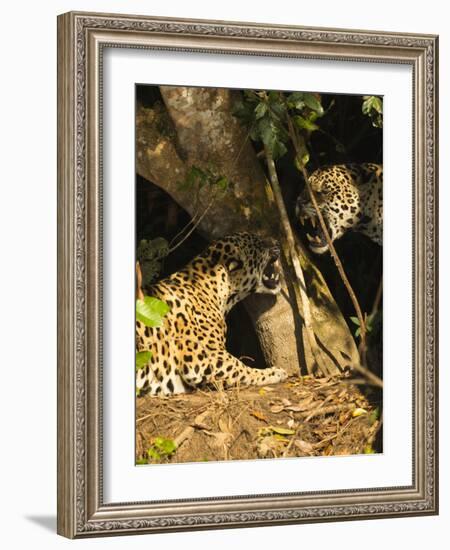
197	127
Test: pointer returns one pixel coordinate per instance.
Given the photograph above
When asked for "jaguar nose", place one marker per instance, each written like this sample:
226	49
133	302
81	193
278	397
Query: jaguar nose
275	252
274	248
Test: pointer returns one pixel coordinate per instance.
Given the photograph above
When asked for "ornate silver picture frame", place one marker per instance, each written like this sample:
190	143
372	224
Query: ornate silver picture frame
82	509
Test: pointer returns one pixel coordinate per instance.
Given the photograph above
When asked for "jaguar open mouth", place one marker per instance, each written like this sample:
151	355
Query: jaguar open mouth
272	273
314	234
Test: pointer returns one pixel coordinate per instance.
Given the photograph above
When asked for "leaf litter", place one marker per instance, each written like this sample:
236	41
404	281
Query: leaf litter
300	417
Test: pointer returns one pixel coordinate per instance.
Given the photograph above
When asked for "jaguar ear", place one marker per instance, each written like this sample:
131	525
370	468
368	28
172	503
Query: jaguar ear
214	258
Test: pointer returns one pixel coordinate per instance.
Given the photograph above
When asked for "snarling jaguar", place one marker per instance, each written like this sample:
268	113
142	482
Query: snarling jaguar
350	198
188	351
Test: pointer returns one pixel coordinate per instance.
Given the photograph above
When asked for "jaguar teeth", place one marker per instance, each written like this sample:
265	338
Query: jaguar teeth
310	237
302	220
313	222
318	239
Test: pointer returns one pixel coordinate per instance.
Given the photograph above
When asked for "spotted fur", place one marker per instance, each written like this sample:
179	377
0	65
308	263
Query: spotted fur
350	197
188	351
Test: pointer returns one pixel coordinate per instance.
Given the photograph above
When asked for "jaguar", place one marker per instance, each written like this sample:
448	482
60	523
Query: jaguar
189	350
350	198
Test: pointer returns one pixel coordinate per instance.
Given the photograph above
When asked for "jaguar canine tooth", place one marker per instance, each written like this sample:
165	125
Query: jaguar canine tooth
313	222
302	220
310	237
318	239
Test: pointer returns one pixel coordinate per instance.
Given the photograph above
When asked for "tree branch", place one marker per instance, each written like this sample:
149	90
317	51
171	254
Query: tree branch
337	260
315	350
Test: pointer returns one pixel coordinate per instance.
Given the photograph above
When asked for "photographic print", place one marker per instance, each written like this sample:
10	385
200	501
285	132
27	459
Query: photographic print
259	269
241	296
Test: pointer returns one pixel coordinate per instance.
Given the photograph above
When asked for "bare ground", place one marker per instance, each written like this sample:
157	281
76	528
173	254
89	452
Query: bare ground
300	417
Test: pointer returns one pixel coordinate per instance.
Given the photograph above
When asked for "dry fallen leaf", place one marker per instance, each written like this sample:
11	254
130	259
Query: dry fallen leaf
358	412
277	409
282	431
279	437
302	405
201	426
259	415
304	446
225	425
221	440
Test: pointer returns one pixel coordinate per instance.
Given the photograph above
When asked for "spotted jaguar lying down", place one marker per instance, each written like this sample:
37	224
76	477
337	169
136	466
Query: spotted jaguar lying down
188	351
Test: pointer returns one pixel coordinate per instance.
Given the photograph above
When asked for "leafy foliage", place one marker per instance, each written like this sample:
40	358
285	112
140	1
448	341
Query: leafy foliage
372	323
142	358
266	116
373	107
161	449
197	178
151	311
150	254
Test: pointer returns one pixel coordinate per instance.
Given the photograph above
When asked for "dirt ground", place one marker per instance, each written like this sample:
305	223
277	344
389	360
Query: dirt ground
300	417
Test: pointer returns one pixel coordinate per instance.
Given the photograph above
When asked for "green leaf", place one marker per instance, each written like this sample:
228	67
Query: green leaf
151	311
301	161
295	100
197	176
243	110
305	124
260	110
373	107
374	416
141	461
358	412
279	149
165	446
282	431
372	103
313	103
152	453
222	183
142	358
150	254
274	96
278	109
355	320
272	136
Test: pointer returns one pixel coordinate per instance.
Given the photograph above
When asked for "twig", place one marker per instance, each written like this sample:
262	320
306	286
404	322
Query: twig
331	437
373	378
337	260
194	226
187	433
331	409
195	222
295	262
318	409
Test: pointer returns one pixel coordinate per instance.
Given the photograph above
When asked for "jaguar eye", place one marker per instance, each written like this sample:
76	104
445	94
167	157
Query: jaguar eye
234	265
